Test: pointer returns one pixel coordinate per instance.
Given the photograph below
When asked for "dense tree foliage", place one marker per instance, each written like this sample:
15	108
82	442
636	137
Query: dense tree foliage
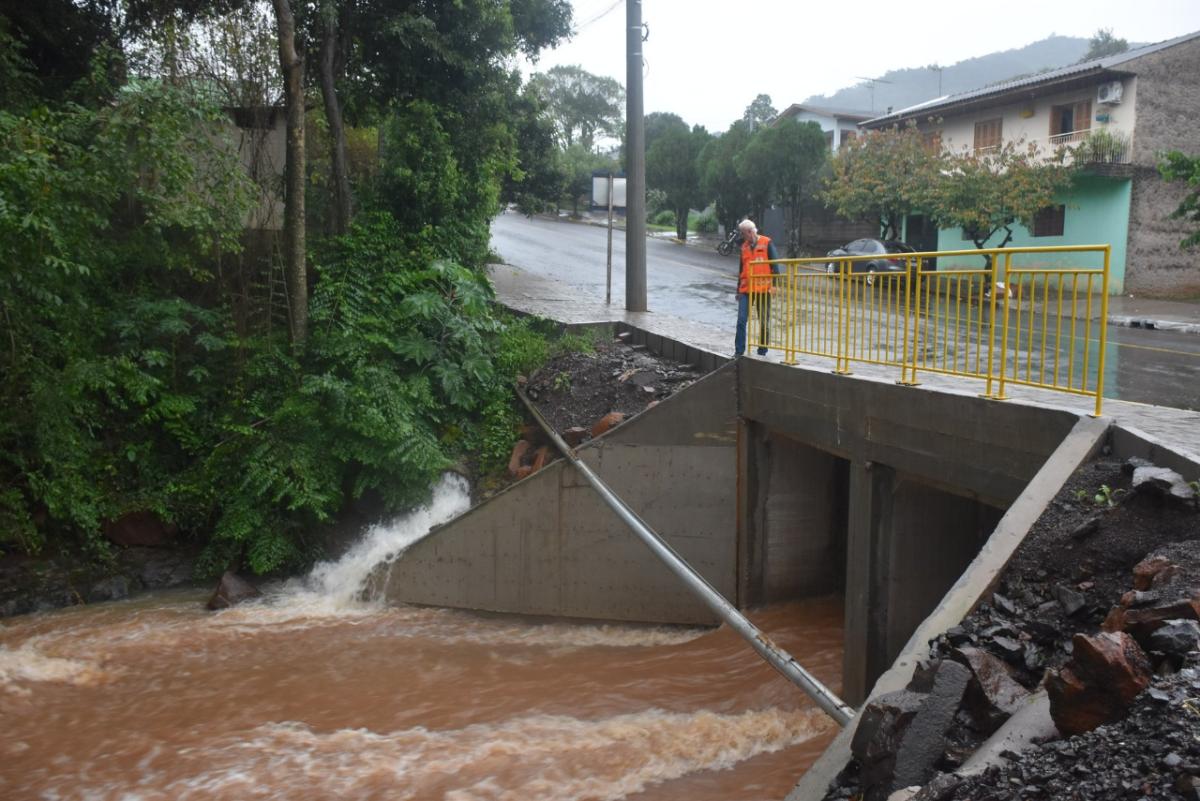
719	176
672	166
785	159
987	193
146	358
1176	166
884	175
759	112
1103	43
585	107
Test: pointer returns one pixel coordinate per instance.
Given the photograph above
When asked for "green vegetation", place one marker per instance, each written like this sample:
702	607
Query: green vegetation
1176	166
1103	43
1104	496
151	358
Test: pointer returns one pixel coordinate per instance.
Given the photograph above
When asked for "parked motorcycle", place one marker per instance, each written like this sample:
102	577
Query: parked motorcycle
731	243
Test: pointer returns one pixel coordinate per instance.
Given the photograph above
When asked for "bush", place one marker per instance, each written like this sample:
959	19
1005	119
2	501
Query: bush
656	201
705	222
665	217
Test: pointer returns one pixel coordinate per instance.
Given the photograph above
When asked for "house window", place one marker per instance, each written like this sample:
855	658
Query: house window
987	134
1050	221
1070	119
932	140
848	135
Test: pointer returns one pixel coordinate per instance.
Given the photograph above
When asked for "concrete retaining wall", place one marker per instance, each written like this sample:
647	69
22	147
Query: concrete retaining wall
549	546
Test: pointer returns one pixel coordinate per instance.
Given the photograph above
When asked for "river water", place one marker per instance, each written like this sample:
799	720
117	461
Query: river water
313	692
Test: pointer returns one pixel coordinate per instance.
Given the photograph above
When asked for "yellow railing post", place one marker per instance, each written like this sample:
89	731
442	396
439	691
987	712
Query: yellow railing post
1004	327
849	323
1103	330
843	333
991	348
792	314
912	312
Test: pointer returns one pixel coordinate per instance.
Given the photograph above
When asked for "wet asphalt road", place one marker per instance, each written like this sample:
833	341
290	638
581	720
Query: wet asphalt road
1159	367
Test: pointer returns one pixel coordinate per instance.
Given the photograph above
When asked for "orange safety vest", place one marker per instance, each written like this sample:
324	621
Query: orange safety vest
758	253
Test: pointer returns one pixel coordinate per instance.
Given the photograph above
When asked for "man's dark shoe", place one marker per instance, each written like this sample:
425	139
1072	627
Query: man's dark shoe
762	351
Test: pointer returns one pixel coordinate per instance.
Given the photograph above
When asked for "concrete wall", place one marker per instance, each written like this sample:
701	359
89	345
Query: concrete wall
795	545
548	545
1097	213
972	586
929	536
1167	104
1155	264
929	472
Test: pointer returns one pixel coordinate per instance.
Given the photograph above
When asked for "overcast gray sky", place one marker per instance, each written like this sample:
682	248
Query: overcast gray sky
706	60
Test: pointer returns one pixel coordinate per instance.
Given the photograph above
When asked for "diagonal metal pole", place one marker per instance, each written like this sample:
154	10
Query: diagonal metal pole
778	658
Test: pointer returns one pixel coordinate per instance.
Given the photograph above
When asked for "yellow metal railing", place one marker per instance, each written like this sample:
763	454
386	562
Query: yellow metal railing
1031	317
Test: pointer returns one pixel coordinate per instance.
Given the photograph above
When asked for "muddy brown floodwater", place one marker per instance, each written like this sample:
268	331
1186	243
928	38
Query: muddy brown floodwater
315	693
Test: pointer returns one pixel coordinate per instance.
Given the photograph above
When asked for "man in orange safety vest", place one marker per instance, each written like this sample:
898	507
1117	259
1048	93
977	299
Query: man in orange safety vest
754	278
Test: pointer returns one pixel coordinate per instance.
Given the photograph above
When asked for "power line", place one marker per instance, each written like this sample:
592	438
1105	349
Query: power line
599	16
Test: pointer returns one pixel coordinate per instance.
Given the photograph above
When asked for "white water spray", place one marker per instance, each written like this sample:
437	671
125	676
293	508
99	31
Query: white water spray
339	585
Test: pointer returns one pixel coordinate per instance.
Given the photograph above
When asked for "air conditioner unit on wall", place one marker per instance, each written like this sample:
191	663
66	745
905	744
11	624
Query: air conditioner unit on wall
1109	93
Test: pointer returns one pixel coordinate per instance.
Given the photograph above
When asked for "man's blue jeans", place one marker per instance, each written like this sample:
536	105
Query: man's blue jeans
739	340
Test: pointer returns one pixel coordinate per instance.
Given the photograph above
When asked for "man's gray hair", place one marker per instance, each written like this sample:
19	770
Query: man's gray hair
746	225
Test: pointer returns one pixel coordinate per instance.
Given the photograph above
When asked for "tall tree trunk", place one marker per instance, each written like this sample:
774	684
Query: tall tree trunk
342	210
292	67
681	221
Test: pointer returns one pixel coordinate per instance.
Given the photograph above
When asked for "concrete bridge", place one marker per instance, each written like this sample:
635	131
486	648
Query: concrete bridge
779	482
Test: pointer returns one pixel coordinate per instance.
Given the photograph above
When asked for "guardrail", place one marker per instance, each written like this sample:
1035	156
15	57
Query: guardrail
1029	317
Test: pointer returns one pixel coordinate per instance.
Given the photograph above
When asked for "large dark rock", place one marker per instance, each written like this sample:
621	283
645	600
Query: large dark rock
902	735
1105	674
1163	481
993	696
231	591
1177	637
925	739
157	568
878	737
142	528
110	588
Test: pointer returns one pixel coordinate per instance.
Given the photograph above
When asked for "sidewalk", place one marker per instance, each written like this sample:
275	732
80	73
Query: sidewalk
1161	315
554	300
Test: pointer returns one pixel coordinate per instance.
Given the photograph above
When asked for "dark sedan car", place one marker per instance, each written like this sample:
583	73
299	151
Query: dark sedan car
890	254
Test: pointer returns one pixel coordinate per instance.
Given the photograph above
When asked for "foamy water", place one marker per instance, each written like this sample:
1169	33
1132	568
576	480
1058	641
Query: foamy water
315	691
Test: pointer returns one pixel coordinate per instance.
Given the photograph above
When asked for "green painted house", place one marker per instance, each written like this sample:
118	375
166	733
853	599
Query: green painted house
1125	110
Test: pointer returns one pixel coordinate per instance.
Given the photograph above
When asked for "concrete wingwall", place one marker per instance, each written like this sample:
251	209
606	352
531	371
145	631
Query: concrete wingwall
548	545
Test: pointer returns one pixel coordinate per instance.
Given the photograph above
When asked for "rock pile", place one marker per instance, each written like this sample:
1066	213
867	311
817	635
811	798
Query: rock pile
1083	642
576	390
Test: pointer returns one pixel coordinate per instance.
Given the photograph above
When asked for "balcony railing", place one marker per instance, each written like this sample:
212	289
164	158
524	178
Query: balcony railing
1092	146
1070	138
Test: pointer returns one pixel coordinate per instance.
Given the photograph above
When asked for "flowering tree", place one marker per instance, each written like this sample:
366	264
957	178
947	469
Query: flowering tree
885	175
988	193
